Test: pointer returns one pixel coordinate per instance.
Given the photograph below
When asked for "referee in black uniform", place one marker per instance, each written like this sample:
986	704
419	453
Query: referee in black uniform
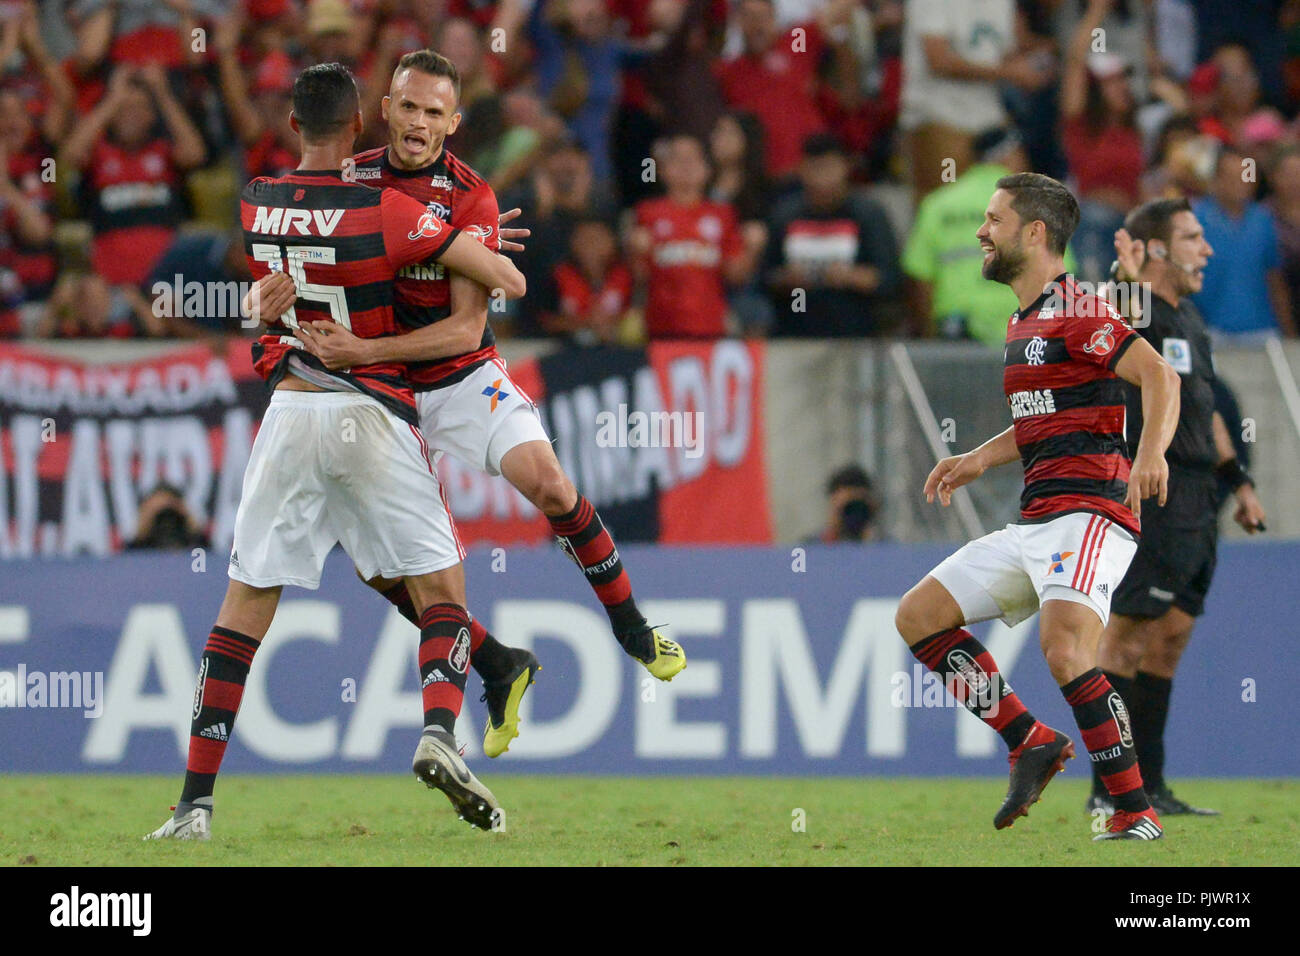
1156	605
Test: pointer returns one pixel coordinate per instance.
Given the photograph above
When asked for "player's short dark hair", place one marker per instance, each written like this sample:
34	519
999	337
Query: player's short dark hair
324	100
432	63
1155	219
1039	198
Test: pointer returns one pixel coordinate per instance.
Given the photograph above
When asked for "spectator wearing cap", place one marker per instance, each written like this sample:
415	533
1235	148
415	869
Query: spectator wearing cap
955	55
1245	292
1102	144
950	296
832	261
131	171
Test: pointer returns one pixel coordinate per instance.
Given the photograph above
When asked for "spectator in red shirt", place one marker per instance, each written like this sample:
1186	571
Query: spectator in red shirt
688	248
1102	144
260	117
593	288
132	172
776	79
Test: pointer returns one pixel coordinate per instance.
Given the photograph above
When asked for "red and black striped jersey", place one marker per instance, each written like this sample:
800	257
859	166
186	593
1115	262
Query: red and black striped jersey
343	244
454	193
1067	404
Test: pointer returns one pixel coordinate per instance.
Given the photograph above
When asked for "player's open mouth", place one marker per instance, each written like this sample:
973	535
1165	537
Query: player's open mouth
414	143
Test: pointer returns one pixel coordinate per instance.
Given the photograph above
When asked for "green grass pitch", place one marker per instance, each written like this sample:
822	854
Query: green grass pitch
684	821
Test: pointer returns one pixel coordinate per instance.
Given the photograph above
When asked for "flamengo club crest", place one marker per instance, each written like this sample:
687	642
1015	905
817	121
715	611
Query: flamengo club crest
1035	349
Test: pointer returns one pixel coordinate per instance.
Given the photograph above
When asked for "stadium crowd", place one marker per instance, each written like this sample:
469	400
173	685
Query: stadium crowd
689	168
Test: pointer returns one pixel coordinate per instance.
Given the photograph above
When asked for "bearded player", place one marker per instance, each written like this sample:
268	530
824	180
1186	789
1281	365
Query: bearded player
469	407
339	457
1066	354
1164	590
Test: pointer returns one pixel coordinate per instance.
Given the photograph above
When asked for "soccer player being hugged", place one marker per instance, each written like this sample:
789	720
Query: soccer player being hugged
1163	247
339	458
1067	356
469	407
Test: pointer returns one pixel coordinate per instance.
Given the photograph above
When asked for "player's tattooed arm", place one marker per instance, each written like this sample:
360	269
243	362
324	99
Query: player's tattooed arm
957	470
1142	366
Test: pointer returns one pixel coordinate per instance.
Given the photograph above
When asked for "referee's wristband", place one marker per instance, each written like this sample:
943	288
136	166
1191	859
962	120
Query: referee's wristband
1232	472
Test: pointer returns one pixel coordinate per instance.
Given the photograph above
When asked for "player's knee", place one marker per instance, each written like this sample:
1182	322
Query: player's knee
550	491
1065	657
912	619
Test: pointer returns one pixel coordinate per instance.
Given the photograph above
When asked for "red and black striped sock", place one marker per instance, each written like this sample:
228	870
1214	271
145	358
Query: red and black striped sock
1108	734
582	534
444	662
222	672
487	655
971	676
1124	687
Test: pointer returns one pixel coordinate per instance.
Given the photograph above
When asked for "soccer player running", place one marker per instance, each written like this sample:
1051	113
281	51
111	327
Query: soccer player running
339	457
1156	605
469	407
1066	353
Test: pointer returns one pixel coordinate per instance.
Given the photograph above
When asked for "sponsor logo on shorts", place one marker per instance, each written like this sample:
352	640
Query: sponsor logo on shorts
1160	594
1120	713
459	656
1103	589
1058	561
494	392
198	689
970	672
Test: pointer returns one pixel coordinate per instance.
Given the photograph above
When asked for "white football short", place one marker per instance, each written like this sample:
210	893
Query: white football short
331	467
480	418
1077	557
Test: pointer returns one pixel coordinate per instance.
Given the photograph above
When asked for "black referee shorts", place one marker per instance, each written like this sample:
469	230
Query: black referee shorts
1176	554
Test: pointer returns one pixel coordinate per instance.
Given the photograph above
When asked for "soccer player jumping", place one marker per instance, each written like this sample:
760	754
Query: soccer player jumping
469	407
339	457
1066	352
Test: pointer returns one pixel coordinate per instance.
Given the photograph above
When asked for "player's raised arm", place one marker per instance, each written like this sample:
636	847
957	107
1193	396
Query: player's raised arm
413	234
1141	365
957	470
